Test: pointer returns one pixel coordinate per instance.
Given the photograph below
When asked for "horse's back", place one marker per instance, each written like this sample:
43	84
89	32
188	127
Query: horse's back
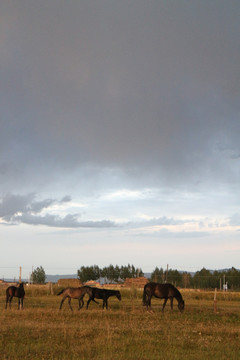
11	290
73	292
161	290
15	291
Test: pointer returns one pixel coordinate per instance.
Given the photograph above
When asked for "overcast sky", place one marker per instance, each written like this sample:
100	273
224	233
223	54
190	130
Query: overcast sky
119	134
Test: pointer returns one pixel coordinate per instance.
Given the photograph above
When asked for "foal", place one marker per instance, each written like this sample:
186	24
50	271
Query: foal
13	291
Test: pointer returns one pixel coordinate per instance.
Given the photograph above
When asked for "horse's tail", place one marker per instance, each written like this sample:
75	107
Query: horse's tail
144	299
60	292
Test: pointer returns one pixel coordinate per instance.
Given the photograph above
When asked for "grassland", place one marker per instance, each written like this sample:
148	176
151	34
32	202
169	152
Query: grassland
125	331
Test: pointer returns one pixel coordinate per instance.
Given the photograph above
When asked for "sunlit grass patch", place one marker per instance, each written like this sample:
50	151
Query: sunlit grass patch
125	331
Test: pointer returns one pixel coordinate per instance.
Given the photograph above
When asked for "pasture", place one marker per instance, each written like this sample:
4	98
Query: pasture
125	331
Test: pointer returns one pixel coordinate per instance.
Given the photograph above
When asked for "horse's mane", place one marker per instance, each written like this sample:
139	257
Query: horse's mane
178	294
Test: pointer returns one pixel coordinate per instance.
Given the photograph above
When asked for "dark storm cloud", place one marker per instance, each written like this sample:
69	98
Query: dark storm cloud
148	87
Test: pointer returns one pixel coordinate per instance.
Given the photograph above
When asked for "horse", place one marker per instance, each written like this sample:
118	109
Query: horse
73	293
103	294
162	291
18	292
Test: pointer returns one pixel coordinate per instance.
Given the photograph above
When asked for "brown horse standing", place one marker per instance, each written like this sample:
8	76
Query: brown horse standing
17	292
162	291
73	293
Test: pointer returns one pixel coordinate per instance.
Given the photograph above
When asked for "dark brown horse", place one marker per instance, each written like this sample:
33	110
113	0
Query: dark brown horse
13	291
162	291
73	293
103	294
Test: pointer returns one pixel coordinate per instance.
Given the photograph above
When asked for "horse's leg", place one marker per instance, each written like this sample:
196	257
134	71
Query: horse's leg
69	303
80	303
106	302
10	301
89	300
19	305
149	302
164	304
7	298
61	303
171	303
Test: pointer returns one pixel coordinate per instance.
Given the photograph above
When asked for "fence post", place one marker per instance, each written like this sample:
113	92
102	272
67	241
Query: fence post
51	288
215	300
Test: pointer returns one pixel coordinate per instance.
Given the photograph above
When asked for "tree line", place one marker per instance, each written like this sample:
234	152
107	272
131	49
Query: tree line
202	279
109	273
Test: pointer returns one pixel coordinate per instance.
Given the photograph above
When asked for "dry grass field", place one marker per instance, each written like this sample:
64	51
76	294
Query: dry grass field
125	331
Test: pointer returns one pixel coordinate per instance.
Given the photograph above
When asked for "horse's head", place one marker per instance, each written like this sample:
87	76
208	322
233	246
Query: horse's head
181	305
118	295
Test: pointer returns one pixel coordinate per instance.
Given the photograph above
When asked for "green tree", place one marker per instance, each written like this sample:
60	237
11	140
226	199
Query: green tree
186	279
232	277
111	273
89	273
158	275
174	277
205	279
130	272
38	276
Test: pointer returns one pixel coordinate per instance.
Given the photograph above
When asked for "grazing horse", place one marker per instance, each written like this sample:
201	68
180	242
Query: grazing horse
73	293
101	294
162	291
17	292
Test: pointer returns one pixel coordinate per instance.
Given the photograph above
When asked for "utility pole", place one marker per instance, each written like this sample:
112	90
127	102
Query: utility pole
20	274
166	274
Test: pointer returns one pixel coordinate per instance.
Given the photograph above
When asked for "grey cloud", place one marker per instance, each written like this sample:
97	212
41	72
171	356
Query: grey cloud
15	209
162	221
234	220
66	198
12	204
149	88
166	221
69	221
164	233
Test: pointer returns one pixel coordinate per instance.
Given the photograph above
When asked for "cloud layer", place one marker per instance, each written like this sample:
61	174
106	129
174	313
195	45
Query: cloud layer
130	108
151	89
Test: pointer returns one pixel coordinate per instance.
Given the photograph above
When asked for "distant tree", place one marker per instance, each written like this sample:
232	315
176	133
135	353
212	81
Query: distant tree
186	279
139	272
111	273
205	279
89	273
38	276
130	272
157	275
174	277
232	277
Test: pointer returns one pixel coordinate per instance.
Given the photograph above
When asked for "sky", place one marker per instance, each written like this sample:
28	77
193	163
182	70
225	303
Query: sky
119	134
